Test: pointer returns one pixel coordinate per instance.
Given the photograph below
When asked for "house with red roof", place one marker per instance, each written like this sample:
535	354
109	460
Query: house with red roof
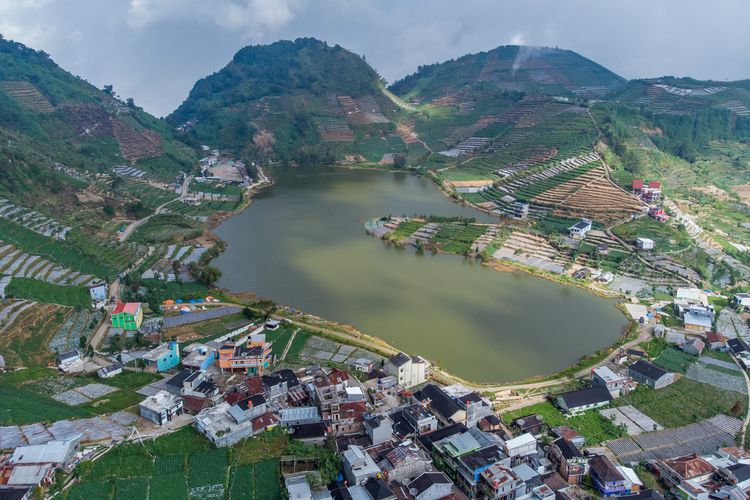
127	316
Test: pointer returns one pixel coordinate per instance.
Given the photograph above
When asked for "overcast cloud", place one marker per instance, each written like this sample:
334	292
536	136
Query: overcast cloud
154	50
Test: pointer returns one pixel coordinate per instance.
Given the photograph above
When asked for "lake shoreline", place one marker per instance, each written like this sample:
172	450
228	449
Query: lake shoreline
355	333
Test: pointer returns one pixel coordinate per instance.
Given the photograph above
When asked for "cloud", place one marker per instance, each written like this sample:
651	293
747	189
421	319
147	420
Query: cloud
249	17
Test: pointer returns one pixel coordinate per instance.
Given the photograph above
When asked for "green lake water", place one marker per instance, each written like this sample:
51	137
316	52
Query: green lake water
302	244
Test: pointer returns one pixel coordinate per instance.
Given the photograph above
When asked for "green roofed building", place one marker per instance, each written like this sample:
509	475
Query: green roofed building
128	316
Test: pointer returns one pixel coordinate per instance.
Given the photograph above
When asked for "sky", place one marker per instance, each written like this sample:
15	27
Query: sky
155	50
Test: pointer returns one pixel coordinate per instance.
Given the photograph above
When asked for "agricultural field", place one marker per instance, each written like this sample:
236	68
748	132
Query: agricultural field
185	465
593	426
25	341
667	237
40	291
685	402
25	406
168	228
674	360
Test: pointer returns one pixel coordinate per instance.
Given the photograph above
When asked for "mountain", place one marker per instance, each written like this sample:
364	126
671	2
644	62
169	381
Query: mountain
534	70
300	101
51	120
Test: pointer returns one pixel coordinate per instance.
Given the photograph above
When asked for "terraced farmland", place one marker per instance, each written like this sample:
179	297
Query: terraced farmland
32	220
27	95
27	330
18	264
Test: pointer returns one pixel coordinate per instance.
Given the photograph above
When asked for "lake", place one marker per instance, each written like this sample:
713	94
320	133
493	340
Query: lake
302	244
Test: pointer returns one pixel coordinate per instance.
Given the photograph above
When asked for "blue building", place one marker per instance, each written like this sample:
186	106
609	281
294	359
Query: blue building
163	358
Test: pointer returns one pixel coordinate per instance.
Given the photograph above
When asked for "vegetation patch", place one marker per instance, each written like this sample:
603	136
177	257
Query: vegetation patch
41	291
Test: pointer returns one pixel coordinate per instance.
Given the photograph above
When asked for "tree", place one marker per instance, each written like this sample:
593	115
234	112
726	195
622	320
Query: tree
108	89
209	275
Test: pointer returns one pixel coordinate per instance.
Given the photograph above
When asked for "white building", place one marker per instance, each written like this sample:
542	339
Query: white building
579	230
358	465
408	370
523	444
644	243
161	408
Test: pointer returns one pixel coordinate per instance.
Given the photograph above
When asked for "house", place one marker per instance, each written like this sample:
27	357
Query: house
358	465
520	210
8	492
615	383
279	383
348	419
70	362
579	230
652	193
499	481
223	424
532	424
110	371
581	400
647	373
313	434
378	427
694	347
163	358
161	408
737	475
127	316
716	342
637	186
698	319
658	213
408	370
644	244
418	419
199	357
299	415
442	405
98	293
675	471
605	476
737	346
741	300
430	486
692	296
55	453
569	461
570	434
520	445
401	462
254	358
361	364
633	483
194	405
378	489
298	488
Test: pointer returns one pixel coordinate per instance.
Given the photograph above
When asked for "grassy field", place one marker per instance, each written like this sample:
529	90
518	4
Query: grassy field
41	291
185	465
666	238
594	427
167	228
685	402
27	397
674	360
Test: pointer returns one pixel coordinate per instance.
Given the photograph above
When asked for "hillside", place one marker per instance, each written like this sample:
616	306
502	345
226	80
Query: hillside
534	70
299	101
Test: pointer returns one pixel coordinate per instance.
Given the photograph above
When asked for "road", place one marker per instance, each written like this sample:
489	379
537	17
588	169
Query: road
138	223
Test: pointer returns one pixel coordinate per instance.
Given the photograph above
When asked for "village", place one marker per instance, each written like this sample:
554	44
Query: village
395	428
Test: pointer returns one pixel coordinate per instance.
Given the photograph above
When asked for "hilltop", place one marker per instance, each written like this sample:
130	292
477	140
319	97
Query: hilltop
300	101
535	70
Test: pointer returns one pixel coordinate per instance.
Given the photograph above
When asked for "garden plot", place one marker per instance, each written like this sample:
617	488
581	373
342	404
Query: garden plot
702	437
361	111
333	129
635	421
32	220
115	426
18	264
321	349
718	374
84	394
77	325
531	250
10	310
27	95
136	145
128	171
731	325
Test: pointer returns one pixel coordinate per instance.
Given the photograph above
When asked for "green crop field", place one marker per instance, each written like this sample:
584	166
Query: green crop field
685	402
674	360
406	229
298	344
41	291
21	406
594	427
185	465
